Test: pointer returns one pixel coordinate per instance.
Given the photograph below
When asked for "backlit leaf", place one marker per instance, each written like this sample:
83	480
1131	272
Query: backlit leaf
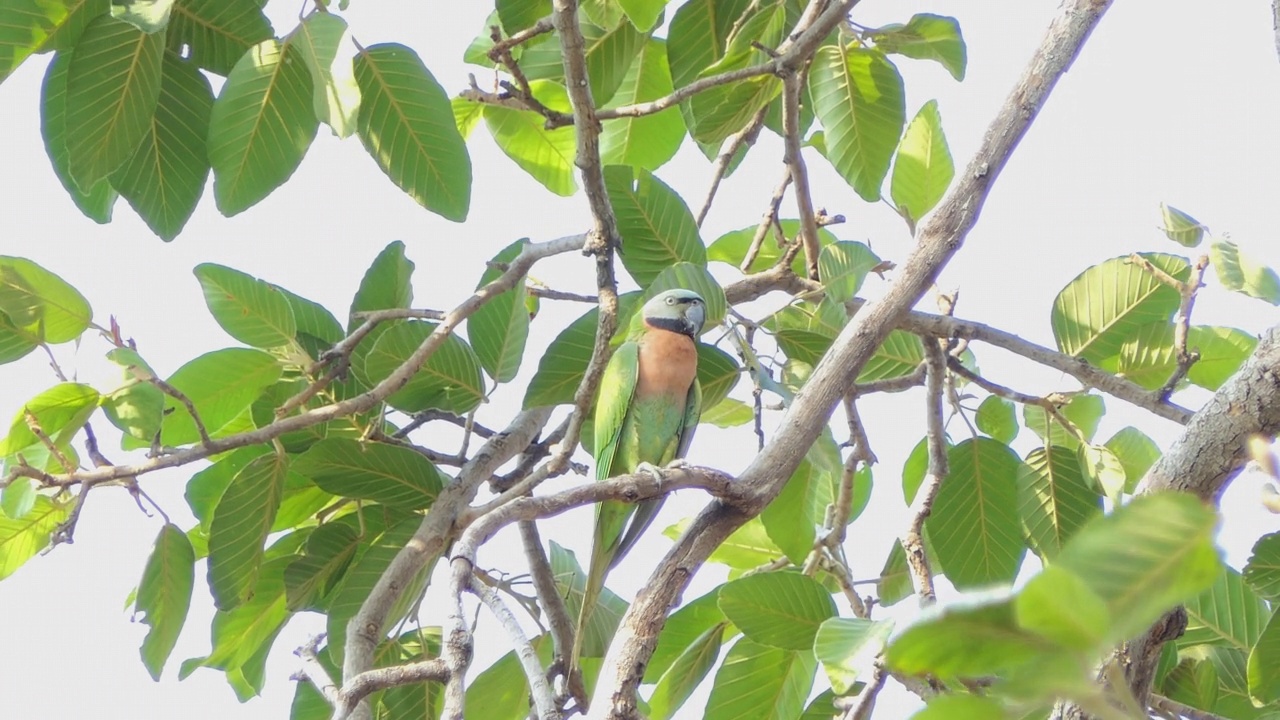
164	595
974	527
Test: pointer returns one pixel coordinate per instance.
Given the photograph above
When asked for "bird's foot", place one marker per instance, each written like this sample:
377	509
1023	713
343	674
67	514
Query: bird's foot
678	464
654	471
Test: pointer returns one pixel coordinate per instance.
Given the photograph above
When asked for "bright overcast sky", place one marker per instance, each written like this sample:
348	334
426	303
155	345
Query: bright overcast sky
1171	101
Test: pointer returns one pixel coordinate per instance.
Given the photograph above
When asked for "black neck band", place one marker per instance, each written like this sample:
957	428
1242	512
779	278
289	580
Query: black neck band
675	325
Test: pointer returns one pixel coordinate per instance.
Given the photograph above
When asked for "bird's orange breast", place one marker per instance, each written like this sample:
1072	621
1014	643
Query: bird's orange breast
668	364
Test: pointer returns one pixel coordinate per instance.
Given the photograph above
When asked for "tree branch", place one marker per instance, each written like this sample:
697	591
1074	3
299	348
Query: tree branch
922	507
543	700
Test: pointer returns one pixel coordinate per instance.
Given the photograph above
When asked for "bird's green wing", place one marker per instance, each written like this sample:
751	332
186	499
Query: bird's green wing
617	388
692	412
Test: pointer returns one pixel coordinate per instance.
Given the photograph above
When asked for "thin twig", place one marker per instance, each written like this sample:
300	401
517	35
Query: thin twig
792	89
922	506
1164	704
1182	327
543	700
746	137
768	220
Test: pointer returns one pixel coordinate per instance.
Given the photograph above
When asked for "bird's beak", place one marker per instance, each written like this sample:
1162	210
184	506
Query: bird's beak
696	316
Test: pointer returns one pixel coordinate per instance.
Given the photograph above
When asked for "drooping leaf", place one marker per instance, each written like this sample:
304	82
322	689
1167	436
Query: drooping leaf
682	630
500	328
97	201
38	306
309	578
252	311
656	226
261	126
698	34
1241	273
791	519
926	37
501	691
406	123
1054	499
324	43
113	84
241	521
1103	306
547	155
450	380
21	539
388	474
165	177
646	142
859	98
718	112
760	682
974	527
780	609
217	32
842	267
1181	227
847	647
18	498
923	169
385	285
164	595
609	49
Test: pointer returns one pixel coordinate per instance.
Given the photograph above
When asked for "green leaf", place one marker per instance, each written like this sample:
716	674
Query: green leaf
781	609
165	177
261	126
113	83
387	474
1082	411
1061	607
313	319
420	700
241	521
646	142
97	201
311	577
501	691
571	582
728	413
1137	453
926	37
516	15
895	581
1147	356
1262	572
686	673
761	682
406	124
997	418
386	284
59	412
324	42
164	596
967	642
18	498
698	34
914	469
242	636
716	113
923	169
962	707
1229	614
216	33
974	526
252	311
682	630
791	519
609	49
656	226
25	26
718	373
746	548
206	487
547	155
732	247
643	14
1105	305
149	16
847	647
843	266
1264	665
78	15
221	384
898	356
1103	469
859	98
1240	273
500	328
564	363
22	539
1054	499
1181	227
1146	557
1222	351
466	114
38	306
450	380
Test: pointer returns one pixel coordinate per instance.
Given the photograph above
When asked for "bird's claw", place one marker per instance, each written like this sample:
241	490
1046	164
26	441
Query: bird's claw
654	471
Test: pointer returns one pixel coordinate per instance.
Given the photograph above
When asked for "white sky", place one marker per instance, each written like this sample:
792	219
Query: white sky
1171	101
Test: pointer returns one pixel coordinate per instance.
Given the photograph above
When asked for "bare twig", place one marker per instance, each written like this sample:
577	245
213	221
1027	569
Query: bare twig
922	506
544	584
768	220
541	27
181	397
313	672
543	700
1182	326
547	293
1164	704
865	703
745	137
792	88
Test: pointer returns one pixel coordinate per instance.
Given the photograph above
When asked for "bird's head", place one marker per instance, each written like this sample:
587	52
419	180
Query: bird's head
679	310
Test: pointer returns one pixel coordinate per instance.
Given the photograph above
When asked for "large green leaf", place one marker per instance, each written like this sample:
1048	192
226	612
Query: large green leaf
791	518
686	673
113	84
329	551
386	284
217	32
98	200
923	169
547	155
58	412
974	527
847	647
1262	572
926	37
1181	227
759	682
1264	665
1058	605
241	521
22	539
1146	557
79	13
571	583
501	691
25	26
516	15
1222	351
406	124
261	126
746	548
388	474
682	630
781	609
996	417
450	380
646	142
1082	411
252	311
859	98
165	177
899	355
1104	306
221	385
1241	273
843	266
895	582
716	113
732	247
656	226
1229	613
1054	499
324	43
205	487
164	595
500	328
564	363
1137	453
699	32
37	306
609	51
966	642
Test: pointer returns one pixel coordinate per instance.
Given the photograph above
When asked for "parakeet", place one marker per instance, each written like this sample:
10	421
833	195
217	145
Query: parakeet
646	411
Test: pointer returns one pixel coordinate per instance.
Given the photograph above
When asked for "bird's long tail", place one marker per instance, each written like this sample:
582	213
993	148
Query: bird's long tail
611	518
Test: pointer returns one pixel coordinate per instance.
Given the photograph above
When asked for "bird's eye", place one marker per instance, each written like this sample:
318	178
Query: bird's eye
671	300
